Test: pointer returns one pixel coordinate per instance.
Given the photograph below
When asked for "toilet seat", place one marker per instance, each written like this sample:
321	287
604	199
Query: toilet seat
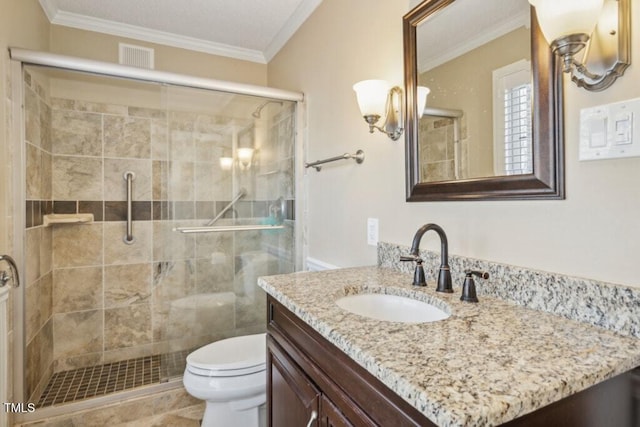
243	355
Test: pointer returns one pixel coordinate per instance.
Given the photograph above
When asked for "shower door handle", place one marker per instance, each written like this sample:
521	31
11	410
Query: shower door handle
129	177
4	277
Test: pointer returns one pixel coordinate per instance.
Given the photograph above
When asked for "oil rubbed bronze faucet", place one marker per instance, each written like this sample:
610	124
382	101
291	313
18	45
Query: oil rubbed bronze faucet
444	276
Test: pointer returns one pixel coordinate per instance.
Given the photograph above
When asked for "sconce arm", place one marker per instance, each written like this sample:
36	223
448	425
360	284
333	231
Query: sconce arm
395	134
582	69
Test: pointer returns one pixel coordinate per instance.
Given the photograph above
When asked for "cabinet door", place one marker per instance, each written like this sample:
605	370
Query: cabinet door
330	415
292	399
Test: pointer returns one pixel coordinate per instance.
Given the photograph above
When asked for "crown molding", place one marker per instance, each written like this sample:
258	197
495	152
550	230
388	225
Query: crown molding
89	23
297	18
491	33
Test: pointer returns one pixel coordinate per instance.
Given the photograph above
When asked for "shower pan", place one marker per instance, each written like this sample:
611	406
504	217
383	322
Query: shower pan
140	245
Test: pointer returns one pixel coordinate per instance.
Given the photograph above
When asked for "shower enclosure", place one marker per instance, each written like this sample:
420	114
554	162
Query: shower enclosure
150	209
442	146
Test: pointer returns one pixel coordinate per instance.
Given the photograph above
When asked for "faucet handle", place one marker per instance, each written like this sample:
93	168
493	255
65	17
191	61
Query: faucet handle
469	286
480	274
419	278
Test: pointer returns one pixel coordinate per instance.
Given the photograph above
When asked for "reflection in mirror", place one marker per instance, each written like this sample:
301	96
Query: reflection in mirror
492	125
481	71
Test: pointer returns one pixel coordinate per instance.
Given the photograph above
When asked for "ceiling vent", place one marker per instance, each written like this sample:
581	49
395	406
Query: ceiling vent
136	56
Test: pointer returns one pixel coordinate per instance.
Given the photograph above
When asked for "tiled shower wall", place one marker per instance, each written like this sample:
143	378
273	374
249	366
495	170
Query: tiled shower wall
39	319
98	299
437	149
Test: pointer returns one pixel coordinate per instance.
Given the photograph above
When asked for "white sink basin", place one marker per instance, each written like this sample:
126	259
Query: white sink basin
391	308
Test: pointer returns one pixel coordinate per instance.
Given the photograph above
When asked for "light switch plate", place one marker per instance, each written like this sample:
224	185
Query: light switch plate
610	131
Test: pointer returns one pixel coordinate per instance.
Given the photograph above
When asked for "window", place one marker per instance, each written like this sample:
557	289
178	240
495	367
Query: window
512	119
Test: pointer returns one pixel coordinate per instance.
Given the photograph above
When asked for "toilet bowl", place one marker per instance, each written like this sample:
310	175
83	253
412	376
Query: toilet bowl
230	376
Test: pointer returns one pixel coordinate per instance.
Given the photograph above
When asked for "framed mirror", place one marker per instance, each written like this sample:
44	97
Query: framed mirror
492	128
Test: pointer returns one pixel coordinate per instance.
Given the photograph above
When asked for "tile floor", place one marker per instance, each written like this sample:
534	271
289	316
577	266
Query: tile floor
83	383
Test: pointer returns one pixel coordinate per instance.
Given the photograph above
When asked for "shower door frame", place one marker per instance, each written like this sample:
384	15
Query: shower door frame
23	57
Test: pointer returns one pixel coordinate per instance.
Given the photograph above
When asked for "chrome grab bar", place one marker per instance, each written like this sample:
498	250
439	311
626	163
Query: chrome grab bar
129	177
224	210
220	229
4	277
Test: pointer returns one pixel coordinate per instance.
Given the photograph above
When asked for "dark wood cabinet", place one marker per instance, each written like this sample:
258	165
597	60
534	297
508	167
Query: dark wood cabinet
293	399
309	379
331	416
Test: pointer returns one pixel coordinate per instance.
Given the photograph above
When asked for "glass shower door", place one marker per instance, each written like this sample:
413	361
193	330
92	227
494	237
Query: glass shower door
225	189
101	315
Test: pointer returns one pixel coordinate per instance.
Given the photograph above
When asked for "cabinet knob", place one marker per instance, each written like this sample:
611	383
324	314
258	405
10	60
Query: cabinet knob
314	416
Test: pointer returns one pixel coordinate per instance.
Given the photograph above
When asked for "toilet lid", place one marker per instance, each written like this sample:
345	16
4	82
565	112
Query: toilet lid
230	357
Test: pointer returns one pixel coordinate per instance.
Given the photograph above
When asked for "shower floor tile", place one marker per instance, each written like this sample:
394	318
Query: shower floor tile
83	383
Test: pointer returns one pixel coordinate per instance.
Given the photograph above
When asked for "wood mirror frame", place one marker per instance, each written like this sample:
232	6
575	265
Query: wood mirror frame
547	179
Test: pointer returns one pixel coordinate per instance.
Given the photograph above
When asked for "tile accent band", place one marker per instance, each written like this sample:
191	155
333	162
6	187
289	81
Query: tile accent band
156	210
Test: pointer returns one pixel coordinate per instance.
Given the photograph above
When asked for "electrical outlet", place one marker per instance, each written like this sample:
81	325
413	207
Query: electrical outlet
372	231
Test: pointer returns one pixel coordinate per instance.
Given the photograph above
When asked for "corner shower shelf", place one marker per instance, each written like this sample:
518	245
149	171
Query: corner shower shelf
81	218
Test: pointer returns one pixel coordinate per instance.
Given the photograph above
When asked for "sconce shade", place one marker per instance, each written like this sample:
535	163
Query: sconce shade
372	97
226	163
244	155
422	94
561	18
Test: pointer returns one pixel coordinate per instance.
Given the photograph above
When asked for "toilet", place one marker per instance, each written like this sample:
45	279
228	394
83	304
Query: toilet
230	376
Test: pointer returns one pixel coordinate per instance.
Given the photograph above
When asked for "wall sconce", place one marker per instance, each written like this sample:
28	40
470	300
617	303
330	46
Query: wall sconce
244	157
602	28
376	97
226	163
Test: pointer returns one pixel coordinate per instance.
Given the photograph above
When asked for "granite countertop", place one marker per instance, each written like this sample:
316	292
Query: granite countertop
487	364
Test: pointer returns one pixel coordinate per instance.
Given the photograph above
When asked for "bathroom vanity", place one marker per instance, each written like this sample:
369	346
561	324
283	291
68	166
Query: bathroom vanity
490	363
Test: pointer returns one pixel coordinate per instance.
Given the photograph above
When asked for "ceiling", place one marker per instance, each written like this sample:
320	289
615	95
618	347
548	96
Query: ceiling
252	30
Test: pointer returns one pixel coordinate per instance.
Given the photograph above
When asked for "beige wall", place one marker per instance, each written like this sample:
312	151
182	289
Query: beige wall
593	233
104	47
